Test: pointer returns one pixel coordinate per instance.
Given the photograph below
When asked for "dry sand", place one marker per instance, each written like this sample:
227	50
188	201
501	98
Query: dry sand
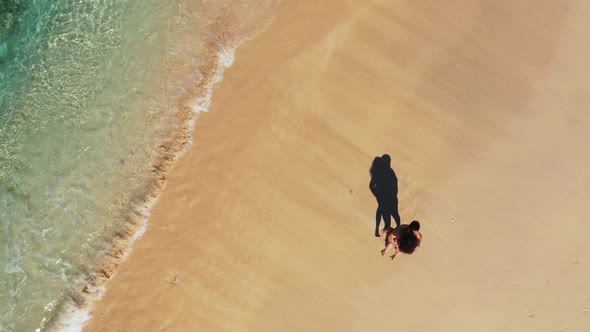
484	108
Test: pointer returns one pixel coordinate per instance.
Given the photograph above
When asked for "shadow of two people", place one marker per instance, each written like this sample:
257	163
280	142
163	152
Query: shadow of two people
383	185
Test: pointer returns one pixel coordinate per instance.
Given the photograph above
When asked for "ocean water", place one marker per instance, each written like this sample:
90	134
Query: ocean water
97	99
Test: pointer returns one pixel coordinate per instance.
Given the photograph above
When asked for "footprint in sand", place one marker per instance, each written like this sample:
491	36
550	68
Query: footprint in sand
531	313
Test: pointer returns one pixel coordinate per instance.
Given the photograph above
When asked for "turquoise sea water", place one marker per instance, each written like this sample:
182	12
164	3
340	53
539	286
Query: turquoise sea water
88	92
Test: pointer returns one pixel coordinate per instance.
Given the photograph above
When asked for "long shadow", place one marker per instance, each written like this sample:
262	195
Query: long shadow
383	185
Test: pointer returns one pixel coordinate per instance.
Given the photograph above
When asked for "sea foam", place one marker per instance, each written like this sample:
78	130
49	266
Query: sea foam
72	317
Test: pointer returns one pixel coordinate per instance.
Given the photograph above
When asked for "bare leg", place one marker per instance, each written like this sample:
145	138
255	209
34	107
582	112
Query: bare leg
385	231
387	248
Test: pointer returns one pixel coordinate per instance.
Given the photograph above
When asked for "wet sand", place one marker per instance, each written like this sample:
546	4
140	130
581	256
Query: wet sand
268	220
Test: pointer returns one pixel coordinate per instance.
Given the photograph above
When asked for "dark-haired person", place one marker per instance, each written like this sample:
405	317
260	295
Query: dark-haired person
415	227
405	239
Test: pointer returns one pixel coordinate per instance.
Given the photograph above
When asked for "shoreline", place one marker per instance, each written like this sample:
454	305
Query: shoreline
267	221
74	312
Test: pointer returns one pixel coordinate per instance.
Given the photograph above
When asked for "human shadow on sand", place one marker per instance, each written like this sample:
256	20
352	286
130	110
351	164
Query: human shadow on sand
383	185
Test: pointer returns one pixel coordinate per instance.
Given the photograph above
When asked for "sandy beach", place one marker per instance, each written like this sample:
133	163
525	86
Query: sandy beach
267	221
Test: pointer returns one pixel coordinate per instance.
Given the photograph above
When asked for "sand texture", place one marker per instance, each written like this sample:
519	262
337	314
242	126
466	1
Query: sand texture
268	220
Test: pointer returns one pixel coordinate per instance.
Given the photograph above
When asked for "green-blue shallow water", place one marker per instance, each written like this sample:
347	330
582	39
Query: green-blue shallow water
80	119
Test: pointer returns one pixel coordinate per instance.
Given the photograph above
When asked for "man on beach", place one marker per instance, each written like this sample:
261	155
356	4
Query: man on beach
404	238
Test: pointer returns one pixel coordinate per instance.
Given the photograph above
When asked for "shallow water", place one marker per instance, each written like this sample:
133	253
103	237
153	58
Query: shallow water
89	91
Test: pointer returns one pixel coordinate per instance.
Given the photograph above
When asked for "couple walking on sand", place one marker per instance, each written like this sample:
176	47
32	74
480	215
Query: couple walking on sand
383	185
